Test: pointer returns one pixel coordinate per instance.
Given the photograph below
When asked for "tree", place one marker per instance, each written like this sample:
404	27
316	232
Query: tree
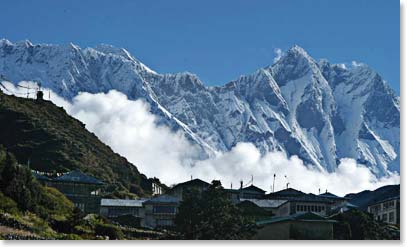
18	183
211	215
358	225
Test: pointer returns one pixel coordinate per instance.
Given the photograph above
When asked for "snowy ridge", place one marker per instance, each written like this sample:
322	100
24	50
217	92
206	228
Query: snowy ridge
319	111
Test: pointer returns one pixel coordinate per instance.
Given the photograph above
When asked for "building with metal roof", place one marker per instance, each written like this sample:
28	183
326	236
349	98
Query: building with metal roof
160	211
83	190
113	208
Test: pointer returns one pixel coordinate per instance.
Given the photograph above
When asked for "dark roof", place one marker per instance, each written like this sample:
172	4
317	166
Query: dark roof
162	199
290	192
307	216
232	190
386	199
78	177
310	198
253	188
332	196
192	183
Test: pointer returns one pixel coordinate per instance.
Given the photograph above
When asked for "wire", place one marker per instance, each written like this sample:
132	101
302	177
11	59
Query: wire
15	93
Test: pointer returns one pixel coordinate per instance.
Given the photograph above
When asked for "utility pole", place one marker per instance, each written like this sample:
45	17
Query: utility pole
274	181
286	178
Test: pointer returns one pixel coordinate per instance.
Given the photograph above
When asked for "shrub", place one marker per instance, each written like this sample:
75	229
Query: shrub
113	232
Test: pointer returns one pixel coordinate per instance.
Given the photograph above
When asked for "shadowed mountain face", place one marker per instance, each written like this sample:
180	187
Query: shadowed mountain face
319	111
368	197
46	138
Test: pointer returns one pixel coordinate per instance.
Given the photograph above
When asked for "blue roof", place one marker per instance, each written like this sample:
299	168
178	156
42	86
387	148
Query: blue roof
162	199
78	177
122	203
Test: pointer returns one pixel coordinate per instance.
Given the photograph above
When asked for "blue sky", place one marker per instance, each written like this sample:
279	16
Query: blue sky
217	40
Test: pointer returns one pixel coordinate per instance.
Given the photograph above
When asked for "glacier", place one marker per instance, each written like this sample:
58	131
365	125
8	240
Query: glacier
319	111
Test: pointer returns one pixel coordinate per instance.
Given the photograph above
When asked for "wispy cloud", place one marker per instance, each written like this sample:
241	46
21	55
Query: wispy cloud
278	54
356	64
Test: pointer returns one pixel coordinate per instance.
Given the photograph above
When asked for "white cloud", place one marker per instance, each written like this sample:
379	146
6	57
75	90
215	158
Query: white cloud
131	130
356	64
278	54
342	65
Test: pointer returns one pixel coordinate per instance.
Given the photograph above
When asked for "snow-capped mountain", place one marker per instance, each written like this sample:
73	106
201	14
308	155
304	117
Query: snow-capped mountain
319	111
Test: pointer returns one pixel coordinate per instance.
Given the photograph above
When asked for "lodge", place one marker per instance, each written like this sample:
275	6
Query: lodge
83	190
386	210
292	214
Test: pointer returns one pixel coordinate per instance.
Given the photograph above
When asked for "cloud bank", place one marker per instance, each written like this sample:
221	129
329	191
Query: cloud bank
131	130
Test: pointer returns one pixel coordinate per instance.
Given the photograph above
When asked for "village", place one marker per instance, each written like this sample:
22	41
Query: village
291	213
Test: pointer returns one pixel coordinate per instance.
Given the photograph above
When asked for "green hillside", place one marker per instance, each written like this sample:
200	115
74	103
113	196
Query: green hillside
46	137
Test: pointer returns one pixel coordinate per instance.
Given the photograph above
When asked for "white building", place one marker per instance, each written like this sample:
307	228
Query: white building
387	210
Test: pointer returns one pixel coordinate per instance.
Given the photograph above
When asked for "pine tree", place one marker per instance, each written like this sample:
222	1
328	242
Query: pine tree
211	215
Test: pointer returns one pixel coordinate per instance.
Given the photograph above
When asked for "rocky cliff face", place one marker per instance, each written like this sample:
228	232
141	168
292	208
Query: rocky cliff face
319	111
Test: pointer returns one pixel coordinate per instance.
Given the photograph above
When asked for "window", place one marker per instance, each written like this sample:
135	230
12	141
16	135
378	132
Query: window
81	206
384	217
164	210
391	217
298	208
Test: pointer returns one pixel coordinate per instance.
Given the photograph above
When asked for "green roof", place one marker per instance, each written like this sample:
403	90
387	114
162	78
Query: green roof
307	216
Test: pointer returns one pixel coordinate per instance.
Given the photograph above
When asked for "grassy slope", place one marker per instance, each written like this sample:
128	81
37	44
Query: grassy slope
46	135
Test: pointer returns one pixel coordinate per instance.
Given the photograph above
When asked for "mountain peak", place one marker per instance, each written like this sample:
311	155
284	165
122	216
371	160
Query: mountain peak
4	41
297	49
299	52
